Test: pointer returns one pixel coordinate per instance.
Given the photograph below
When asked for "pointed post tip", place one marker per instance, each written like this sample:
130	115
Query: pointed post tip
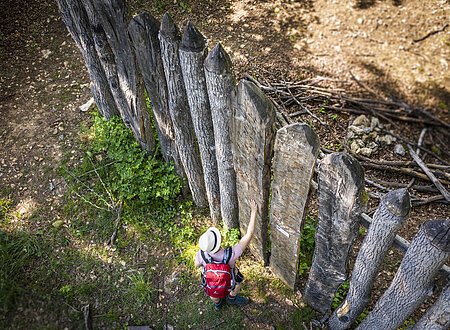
192	40
398	202
168	28
218	60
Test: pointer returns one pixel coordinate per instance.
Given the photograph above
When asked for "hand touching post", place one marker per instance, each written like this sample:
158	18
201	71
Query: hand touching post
245	240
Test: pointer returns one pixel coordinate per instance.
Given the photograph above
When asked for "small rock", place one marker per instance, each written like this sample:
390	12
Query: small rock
399	150
373	146
374	122
354	147
361	120
365	151
388	139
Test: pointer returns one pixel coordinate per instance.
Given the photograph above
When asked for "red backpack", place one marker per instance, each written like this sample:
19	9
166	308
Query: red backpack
217	277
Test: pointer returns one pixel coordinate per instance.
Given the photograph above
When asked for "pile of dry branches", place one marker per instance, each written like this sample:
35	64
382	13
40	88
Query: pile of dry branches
430	180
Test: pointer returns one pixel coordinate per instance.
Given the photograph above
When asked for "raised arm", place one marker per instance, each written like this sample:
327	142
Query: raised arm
251	226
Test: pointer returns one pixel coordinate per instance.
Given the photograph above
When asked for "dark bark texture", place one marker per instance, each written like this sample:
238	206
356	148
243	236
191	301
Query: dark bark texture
413	281
77	22
221	91
108	19
341	201
437	316
170	38
192	55
295	154
254	137
143	30
387	220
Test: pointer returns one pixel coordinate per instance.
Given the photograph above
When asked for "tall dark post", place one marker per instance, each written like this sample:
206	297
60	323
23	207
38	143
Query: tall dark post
254	137
387	220
341	201
220	84
294	161
143	30
170	37
77	22
192	55
413	281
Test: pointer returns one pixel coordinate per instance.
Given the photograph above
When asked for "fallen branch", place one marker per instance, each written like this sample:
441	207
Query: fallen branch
429	34
112	239
432	199
427	171
388	184
406	171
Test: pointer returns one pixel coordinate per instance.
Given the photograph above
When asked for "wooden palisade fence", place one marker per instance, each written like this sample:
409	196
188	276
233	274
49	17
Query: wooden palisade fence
222	139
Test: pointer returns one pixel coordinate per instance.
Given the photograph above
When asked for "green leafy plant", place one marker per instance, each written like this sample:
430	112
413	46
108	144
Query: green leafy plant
230	236
307	243
340	295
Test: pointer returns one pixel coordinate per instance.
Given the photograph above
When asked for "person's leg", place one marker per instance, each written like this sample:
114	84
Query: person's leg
233	298
235	292
217	303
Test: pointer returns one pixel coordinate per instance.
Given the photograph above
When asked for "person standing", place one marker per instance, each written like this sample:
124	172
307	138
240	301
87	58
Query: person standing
211	253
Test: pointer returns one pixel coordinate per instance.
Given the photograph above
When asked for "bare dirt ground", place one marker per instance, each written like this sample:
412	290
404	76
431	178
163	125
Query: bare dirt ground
44	81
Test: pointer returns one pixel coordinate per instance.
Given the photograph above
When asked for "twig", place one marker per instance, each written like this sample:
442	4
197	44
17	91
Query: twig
413	144
112	239
386	184
420	202
419	144
306	109
360	83
402	170
427	171
429	34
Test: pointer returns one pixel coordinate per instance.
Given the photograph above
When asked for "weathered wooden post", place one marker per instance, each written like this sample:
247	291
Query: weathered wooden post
437	316
192	55
295	153
387	220
221	85
108	18
77	22
341	199
143	30
413	281
254	137
169	37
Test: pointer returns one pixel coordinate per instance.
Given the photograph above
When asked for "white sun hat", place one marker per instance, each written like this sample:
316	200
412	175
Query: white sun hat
210	240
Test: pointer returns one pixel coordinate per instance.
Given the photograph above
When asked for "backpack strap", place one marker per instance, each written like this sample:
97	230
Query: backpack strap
206	257
227	255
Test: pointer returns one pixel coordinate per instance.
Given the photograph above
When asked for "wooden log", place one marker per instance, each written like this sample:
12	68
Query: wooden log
295	151
254	137
400	243
77	22
108	18
413	281
437	316
169	37
387	220
143	30
221	91
341	199
192	55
